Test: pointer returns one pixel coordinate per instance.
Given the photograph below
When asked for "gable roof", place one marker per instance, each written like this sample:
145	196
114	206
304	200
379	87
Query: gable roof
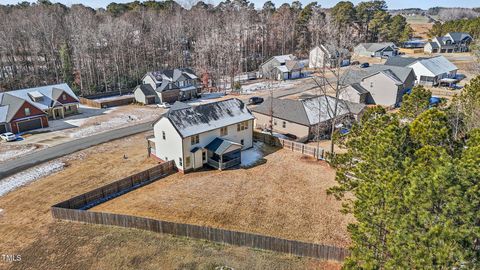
219	145
50	94
397	73
458	36
359	88
375	47
202	118
172	75
3	113
282	59
146	89
9	106
437	64
178	105
306	112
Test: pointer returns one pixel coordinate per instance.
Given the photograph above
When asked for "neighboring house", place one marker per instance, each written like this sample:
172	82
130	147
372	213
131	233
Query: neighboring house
450	43
282	67
27	109
168	86
213	134
378	84
305	119
144	93
20	115
328	56
385	49
428	71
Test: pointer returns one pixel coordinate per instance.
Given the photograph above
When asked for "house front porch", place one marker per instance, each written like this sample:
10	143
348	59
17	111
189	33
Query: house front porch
223	154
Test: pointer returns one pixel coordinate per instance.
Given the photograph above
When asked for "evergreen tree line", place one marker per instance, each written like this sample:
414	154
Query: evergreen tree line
471	26
415	181
110	49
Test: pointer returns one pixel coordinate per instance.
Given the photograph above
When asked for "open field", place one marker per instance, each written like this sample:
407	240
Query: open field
28	229
421	29
283	197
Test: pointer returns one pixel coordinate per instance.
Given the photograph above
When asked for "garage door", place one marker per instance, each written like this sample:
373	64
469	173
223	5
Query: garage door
150	100
29	124
3	128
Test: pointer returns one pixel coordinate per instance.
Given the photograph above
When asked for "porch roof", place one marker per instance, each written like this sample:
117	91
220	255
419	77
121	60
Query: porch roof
219	146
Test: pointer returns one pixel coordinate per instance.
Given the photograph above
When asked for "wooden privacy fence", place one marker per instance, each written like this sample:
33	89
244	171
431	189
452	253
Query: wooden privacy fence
75	209
207	233
117	188
305	149
120	101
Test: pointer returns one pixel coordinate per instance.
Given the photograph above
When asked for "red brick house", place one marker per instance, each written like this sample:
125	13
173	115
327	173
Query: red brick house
27	109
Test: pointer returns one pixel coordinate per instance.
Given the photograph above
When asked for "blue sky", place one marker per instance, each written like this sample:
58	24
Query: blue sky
392	4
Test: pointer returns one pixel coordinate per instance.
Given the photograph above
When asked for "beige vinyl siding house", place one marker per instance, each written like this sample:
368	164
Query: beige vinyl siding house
378	84
212	134
329	56
304	119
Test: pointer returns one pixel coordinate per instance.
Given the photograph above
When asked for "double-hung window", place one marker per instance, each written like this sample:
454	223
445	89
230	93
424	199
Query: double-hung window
195	139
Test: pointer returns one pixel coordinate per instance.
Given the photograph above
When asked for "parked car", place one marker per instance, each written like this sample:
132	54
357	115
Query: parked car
354	63
255	100
8	136
163	105
364	65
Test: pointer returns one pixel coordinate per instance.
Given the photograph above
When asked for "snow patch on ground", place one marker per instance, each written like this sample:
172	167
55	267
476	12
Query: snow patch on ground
23	178
10	154
104	126
252	155
76	122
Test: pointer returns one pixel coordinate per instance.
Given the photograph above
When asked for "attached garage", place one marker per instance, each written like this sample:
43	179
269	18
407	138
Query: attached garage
29	124
3	128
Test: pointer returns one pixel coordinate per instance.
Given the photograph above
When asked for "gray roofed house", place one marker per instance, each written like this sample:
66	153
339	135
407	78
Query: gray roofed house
56	100
198	119
171	85
281	67
382	49
378	84
428	70
450	43
301	117
18	114
211	134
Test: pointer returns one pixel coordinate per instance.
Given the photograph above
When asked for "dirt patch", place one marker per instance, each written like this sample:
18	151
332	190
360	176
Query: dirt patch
80	246
284	197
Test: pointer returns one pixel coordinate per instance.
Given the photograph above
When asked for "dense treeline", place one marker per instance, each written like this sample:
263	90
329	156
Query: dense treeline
105	50
415	177
471	26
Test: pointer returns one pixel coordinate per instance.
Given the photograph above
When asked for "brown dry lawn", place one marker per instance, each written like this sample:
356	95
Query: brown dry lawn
421	29
27	228
283	197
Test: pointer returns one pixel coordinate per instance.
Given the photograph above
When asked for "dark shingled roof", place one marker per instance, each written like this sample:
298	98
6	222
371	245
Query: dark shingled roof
147	89
306	112
399	61
357	75
202	118
219	145
360	89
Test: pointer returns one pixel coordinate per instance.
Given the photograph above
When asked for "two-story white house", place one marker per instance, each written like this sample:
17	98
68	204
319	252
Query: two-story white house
168	86
212	134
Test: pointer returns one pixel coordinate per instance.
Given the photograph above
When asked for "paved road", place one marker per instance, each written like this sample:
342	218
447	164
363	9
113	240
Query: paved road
13	166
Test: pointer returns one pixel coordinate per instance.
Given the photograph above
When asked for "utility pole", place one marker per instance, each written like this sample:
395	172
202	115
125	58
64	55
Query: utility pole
271	110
